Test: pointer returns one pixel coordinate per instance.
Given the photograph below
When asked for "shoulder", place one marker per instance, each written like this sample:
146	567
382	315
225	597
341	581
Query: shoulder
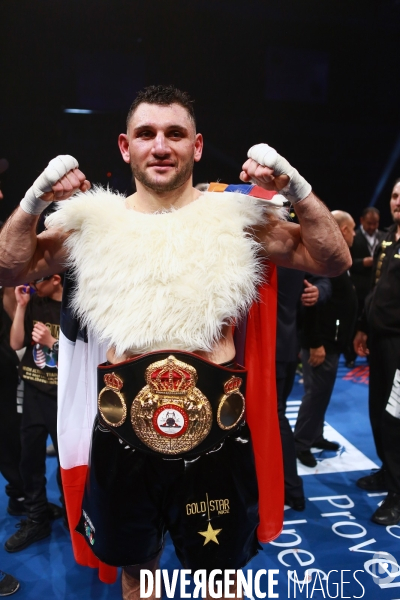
250	209
97	203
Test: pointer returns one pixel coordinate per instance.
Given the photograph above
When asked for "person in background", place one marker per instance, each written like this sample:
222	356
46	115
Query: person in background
362	251
36	325
10	413
294	288
10	418
327	330
379	337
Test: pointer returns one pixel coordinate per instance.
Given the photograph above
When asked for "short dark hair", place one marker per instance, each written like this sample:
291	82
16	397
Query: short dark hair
396	182
370	209
164	95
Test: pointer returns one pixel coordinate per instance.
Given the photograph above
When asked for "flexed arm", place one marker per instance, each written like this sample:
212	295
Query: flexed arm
24	255
315	245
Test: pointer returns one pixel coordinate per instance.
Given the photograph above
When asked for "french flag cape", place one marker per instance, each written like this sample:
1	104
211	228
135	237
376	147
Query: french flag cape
255	340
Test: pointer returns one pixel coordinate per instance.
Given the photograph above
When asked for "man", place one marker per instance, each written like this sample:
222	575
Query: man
10	418
36	327
327	330
294	287
379	337
365	242
168	269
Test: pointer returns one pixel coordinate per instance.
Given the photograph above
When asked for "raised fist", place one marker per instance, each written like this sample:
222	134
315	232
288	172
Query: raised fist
267	168
59	181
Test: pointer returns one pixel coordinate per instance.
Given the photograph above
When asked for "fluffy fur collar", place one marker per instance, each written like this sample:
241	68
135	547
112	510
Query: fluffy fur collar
168	280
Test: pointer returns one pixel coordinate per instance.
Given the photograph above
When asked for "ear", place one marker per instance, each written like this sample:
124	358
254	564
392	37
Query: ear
198	147
56	279
123	145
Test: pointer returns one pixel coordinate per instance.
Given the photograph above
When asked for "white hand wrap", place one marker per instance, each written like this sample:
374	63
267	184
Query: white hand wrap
56	169
298	188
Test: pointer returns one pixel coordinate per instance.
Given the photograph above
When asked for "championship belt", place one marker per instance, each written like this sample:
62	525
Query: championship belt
186	407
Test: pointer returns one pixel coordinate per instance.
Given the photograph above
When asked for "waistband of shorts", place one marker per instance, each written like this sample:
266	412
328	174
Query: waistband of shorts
144	400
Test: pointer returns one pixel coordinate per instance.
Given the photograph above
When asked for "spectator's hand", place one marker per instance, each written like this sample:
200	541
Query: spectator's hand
310	295
41	335
22	295
360	344
317	356
367	261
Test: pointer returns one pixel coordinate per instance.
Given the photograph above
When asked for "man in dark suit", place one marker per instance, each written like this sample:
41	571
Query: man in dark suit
380	329
294	288
366	240
326	332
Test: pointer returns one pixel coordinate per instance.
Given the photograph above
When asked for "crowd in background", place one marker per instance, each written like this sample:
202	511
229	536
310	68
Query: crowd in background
358	316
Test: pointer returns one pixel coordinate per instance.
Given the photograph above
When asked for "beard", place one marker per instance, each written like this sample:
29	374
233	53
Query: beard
396	217
176	181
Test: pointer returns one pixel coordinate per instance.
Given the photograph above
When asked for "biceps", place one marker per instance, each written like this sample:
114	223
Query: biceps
284	246
50	255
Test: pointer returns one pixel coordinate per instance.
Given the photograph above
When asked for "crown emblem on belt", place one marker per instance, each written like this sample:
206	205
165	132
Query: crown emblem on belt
232	385
170	415
232	404
113	382
171	376
111	402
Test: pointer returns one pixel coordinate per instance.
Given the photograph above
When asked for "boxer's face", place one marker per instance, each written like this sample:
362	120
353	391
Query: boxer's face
395	203
161	146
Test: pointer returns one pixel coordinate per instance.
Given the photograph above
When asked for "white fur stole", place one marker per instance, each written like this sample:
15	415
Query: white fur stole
159	281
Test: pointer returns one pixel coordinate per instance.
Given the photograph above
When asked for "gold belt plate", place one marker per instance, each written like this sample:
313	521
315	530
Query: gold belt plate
170	415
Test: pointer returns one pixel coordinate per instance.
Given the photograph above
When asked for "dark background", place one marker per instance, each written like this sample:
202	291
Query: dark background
317	79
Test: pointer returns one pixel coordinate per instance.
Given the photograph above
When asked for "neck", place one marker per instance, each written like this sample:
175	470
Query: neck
56	295
147	200
369	234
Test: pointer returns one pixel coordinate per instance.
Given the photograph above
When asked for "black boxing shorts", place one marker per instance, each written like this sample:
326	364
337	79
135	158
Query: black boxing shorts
202	490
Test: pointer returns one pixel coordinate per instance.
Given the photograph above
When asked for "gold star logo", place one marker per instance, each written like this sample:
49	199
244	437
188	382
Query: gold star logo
210	535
